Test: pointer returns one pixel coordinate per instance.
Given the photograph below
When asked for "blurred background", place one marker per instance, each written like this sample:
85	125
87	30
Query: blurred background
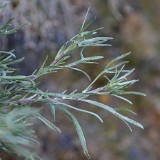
135	27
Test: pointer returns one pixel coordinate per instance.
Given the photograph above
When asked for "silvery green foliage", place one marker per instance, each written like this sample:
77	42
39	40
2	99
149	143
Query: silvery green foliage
19	92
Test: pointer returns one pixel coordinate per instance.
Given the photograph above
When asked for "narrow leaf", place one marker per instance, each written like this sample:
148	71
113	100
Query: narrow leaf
118	58
79	70
48	123
53	111
125	109
123	98
79	131
81	110
113	111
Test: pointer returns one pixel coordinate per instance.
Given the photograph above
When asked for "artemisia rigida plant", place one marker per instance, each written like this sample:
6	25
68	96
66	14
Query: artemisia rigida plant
18	93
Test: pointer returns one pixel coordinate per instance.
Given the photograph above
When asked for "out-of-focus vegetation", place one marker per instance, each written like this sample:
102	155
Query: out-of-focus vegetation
135	27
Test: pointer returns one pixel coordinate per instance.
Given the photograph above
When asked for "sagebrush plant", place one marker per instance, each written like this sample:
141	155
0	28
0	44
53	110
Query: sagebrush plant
18	93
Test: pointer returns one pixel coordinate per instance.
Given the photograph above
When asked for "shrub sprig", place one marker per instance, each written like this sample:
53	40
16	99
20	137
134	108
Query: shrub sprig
18	93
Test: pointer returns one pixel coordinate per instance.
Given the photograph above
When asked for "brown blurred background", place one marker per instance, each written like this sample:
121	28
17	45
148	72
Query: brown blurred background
135	27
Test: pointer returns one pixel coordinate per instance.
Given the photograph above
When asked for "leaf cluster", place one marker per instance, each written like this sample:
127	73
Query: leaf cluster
18	93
